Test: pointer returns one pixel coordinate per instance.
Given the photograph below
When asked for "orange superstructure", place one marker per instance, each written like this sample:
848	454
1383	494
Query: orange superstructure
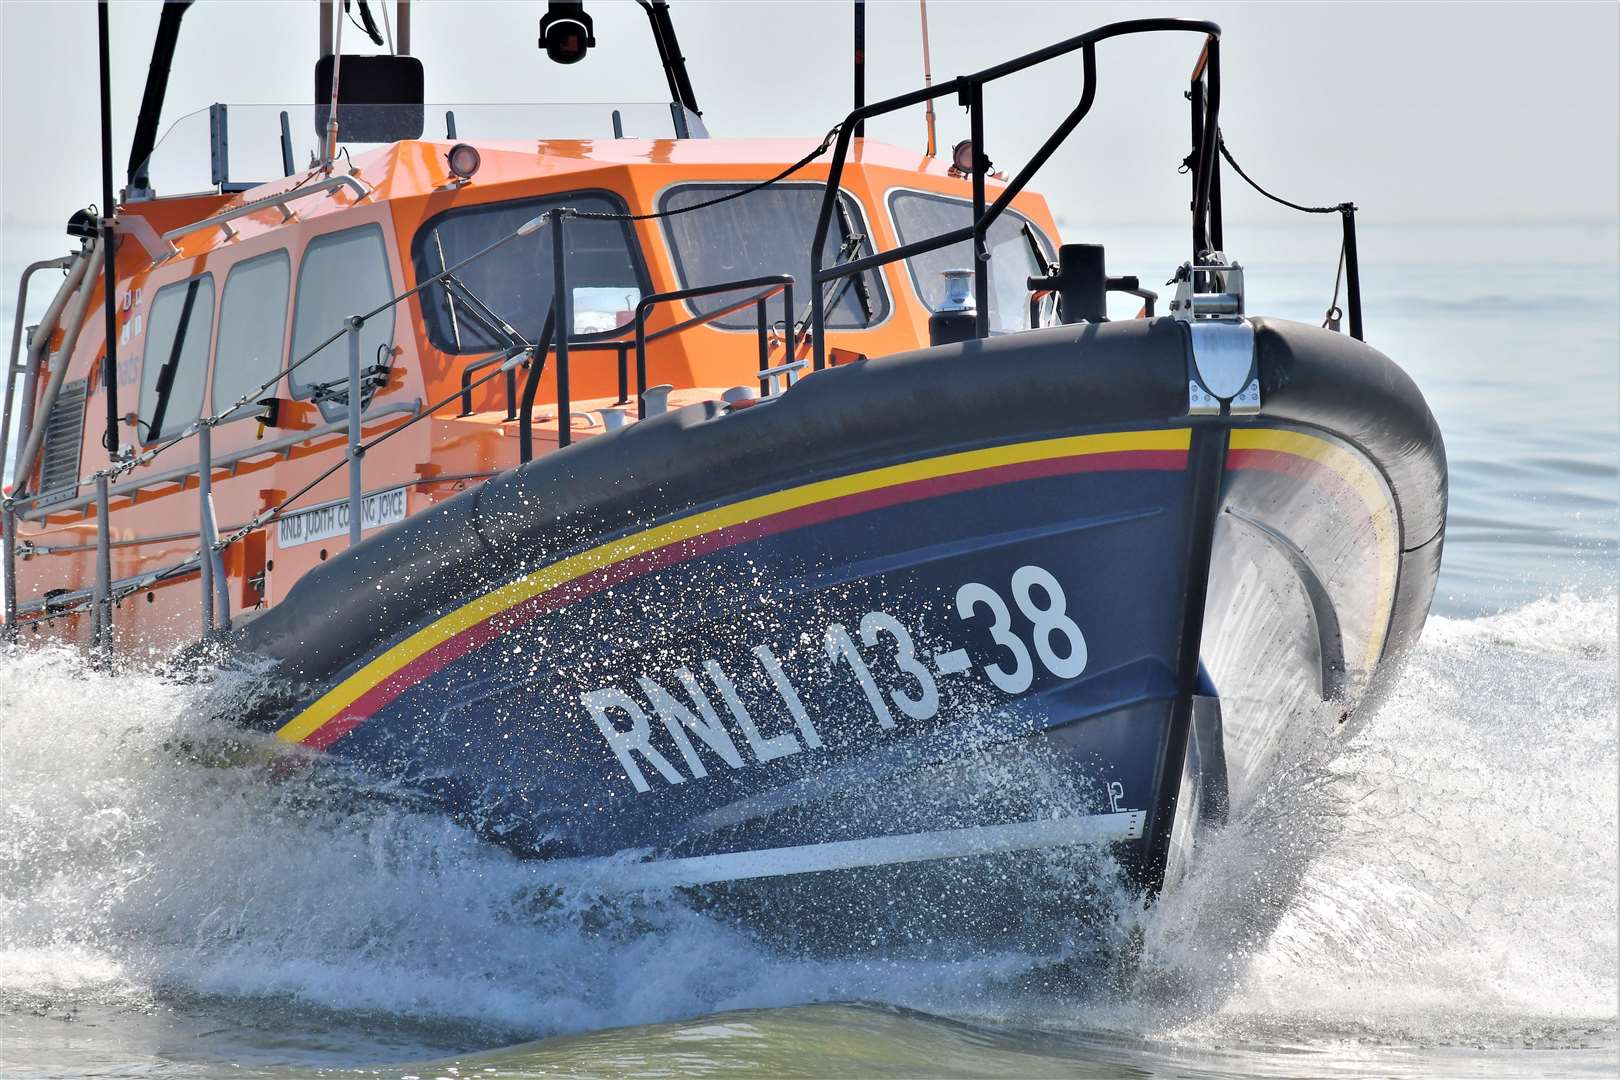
389	195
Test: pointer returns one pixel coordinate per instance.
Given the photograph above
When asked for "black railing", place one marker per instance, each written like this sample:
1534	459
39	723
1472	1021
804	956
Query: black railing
558	343
769	286
1204	97
969	90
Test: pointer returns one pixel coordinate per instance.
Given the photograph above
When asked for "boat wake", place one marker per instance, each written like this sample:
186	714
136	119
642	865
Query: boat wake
1447	877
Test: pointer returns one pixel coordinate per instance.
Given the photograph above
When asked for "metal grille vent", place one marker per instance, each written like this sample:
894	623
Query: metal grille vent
64	437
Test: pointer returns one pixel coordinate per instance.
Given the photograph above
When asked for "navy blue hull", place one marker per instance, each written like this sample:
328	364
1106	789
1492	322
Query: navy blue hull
840	646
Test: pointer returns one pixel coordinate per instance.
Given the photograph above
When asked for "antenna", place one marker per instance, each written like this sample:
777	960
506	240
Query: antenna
928	75
337	63
860	64
109	257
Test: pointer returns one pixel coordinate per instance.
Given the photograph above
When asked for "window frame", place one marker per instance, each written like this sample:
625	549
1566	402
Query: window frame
863	217
146	355
214	404
1048	244
638	260
307	391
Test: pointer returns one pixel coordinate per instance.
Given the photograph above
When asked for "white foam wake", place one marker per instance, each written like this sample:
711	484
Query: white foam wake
1451	875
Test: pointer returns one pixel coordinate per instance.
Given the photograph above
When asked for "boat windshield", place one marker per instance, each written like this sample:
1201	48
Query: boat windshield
514	282
769	232
919	215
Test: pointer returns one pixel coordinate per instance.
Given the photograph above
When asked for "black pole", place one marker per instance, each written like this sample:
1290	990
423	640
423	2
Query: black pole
1206	458
641	358
1195	97
109	250
669	54
1208	155
860	64
531	385
1352	269
1217	238
286	146
157	84
563	309
764	342
1206	100
981	251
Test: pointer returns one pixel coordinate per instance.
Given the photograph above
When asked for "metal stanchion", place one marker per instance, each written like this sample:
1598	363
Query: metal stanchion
101	633
8	534
356	401
205	491
222	584
1352	269
562	304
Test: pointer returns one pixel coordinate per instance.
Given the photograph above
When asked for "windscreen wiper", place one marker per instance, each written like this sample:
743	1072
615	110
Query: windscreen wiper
455	323
483	314
171	363
832	293
1037	253
853	241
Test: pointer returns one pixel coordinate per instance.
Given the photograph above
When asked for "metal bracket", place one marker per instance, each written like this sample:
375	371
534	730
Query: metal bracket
219	145
1223	373
1224	298
372	378
136	226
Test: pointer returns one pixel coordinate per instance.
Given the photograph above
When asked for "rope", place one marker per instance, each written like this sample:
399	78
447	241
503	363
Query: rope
1333	316
1331	320
1230	160
603	215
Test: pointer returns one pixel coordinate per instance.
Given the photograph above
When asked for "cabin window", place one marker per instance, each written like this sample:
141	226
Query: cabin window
918	216
514	282
178	328
769	231
252	331
341	274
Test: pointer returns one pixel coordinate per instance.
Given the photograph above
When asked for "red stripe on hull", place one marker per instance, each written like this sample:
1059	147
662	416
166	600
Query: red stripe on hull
1301	468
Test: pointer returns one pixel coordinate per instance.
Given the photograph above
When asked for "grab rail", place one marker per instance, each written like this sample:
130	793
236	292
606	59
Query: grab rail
279	201
31	510
969	90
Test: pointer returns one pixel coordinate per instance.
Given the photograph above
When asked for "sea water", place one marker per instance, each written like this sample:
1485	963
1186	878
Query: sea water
1436	897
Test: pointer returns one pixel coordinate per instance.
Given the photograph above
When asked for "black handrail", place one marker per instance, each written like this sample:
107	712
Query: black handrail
537	365
770	286
594	345
621	343
969	91
1204	94
467	384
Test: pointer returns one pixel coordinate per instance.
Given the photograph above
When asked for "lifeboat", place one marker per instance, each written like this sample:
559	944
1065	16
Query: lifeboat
778	520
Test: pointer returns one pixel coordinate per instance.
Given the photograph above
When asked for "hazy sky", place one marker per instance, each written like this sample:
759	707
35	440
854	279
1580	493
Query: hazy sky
1419	112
